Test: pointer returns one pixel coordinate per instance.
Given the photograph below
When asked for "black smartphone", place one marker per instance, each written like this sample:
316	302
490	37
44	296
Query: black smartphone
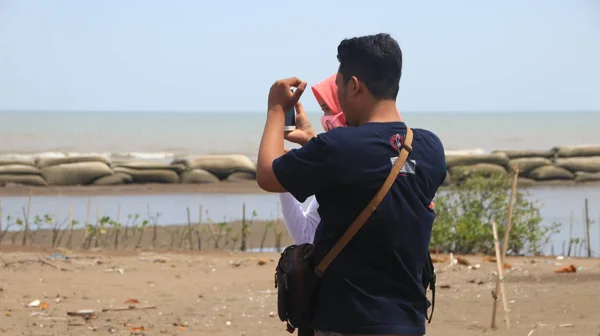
290	119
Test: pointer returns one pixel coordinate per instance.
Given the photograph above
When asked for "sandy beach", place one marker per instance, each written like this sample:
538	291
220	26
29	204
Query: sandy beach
228	293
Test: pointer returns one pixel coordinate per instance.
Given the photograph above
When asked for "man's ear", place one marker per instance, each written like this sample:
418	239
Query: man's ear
354	86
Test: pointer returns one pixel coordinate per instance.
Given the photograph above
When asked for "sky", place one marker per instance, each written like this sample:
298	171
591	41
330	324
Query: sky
176	55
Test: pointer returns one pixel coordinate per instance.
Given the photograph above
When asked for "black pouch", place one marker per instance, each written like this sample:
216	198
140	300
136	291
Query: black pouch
295	280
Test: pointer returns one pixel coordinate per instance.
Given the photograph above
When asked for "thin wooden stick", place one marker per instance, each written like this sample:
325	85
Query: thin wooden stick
587	230
499	281
189	222
70	239
501	258
127	308
26	214
511	205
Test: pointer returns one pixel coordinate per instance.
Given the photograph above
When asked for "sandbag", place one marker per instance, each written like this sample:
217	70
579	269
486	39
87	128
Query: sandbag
241	176
464	160
573	151
580	164
198	176
526	165
149	175
19	169
517	153
75	173
47	162
544	173
525	182
10	161
31	180
145	164
486	169
114	179
581	177
220	165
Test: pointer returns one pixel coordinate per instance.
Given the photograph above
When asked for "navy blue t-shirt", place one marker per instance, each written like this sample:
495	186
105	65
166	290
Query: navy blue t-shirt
374	285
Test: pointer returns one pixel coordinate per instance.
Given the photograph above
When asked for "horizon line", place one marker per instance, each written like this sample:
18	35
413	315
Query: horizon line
257	111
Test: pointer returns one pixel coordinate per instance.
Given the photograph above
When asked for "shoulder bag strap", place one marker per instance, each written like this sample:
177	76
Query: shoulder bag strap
370	208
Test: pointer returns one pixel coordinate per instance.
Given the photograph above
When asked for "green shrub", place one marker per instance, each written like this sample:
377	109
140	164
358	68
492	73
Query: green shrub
465	211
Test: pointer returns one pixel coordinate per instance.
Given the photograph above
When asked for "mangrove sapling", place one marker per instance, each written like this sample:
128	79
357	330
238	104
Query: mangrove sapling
26	222
37	222
141	228
72	223
6	228
264	236
19	223
116	232
62	230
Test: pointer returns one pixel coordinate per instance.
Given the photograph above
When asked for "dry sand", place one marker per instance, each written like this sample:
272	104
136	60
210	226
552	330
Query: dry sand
225	293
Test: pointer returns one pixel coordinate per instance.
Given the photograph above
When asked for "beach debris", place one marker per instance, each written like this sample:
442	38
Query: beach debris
439	259
115	269
57	256
566	269
112	330
262	261
473	267
34	303
86	314
39	260
271	314
492	259
463	261
136	329
160	260
445	286
560	258
228	323
104	310
131	301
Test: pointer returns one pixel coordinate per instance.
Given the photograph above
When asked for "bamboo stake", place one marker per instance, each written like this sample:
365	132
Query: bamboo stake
502	255
499	281
587	230
26	214
511	205
69	240
189	220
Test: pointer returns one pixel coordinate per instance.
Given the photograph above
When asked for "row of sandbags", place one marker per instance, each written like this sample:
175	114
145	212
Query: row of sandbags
555	152
576	168
99	170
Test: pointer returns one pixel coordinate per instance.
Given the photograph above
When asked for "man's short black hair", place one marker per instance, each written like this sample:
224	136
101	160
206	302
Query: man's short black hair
374	59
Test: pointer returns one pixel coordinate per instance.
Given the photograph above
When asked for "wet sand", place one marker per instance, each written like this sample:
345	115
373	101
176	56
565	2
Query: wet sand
237	187
229	187
226	293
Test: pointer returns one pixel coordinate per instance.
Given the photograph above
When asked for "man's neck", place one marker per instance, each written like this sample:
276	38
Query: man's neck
382	111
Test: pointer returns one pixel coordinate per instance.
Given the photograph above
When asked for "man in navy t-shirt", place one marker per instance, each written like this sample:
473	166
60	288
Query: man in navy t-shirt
373	287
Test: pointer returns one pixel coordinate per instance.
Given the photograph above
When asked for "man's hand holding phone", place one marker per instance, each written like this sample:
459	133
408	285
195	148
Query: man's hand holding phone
304	131
281	98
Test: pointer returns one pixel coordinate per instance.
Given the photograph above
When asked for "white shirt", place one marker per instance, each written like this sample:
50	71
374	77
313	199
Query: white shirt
300	224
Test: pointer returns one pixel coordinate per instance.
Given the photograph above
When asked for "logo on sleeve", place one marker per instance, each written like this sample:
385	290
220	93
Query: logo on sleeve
410	166
397	141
